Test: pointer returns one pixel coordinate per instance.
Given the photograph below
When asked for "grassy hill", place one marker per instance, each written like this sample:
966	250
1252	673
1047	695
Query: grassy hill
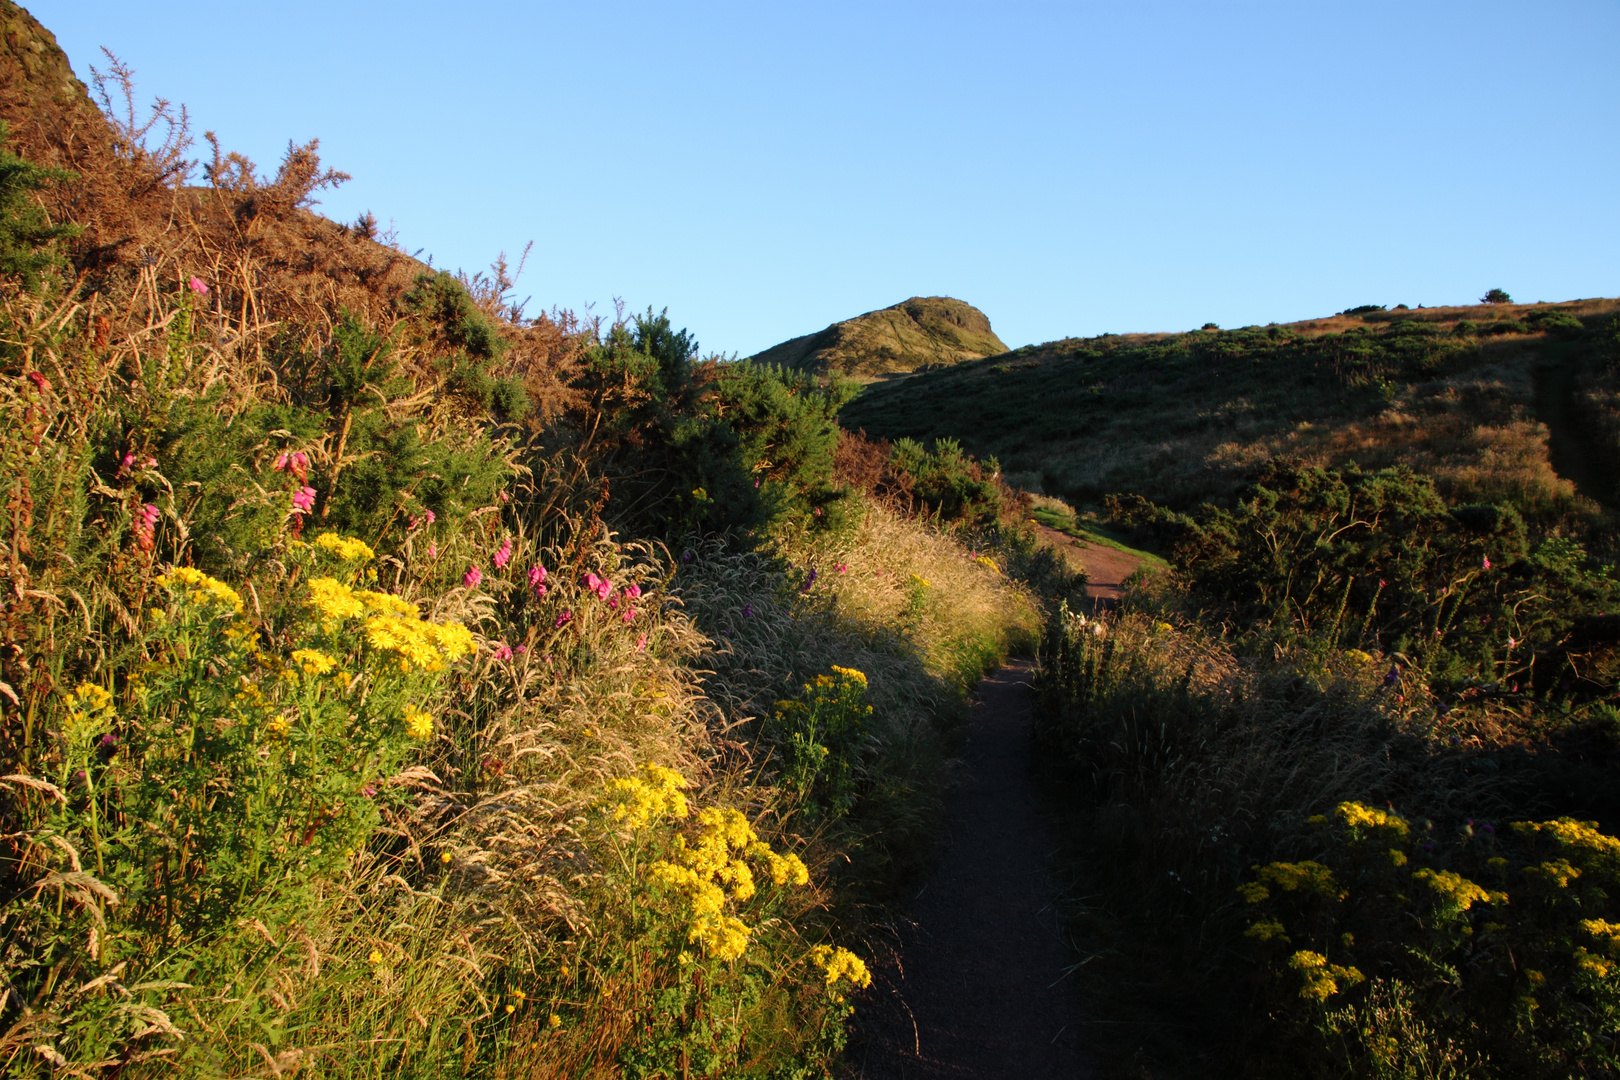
1501	401
922	332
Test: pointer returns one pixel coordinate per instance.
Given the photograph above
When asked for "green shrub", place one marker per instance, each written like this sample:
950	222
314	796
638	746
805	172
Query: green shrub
1496	296
27	235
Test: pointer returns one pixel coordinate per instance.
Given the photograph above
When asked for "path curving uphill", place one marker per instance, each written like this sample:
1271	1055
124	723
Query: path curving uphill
978	984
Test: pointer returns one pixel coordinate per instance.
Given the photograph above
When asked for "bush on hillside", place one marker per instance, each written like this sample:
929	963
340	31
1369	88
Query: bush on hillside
1496	296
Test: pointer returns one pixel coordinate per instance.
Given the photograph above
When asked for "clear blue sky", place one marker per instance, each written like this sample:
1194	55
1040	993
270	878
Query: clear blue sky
764	169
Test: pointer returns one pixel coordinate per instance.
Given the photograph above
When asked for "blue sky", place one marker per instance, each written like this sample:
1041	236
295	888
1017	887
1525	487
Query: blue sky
763	169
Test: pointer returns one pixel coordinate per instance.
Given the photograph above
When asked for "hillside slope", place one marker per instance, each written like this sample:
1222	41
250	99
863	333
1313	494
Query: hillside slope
921	332
1463	394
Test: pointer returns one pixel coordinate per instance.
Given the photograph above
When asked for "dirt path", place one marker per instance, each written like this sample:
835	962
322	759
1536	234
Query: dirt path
978	985
1106	568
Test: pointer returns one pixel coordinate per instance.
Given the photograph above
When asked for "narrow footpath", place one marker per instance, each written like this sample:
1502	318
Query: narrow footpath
979	983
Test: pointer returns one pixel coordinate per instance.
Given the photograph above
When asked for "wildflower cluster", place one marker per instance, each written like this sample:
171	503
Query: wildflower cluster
392	625
200	589
713	869
840	963
638	801
820	735
1321	980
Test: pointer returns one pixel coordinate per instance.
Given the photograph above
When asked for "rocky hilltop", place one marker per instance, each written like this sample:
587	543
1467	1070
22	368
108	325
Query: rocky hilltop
925	331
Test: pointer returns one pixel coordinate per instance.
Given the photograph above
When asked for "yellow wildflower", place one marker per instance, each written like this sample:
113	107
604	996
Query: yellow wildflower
386	603
1358	816
278	727
197	586
642	801
987	561
1456	889
418	724
1358	656
1592	965
344	547
920	580
1572	833
1267	930
1321	978
840	963
333	600
1306	876
90	698
1558	872
313	661
554	1021
851	674
375	957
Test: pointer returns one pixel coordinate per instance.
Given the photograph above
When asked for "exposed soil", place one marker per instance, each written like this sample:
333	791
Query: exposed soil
978	983
1106	568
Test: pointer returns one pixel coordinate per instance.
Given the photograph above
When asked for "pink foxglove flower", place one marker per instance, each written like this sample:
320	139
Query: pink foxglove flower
304	499
472	577
199	286
504	554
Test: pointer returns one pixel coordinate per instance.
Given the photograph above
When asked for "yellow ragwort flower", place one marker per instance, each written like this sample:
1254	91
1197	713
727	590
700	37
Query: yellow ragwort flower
197	587
344	547
840	963
851	674
313	661
333	600
418	724
1455	889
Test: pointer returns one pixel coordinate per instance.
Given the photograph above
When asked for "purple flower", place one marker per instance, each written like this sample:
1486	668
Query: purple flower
748	611
1426	847
564	619
472	577
1489	828
109	741
369	790
1394	675
809	581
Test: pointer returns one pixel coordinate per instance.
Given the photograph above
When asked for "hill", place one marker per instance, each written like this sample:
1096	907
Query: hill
1501	401
923	332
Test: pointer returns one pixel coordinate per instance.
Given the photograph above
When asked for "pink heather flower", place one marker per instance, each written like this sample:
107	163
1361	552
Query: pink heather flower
633	591
842	568
129	459
592	581
504	652
1513	643
199	286
1487	563
629	613
370	789
604	589
563	619
818	511
300	464
504	555
505	498
433	552
613	604
537	580
150	515
521	649
281	462
304	499
641	642
472	577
